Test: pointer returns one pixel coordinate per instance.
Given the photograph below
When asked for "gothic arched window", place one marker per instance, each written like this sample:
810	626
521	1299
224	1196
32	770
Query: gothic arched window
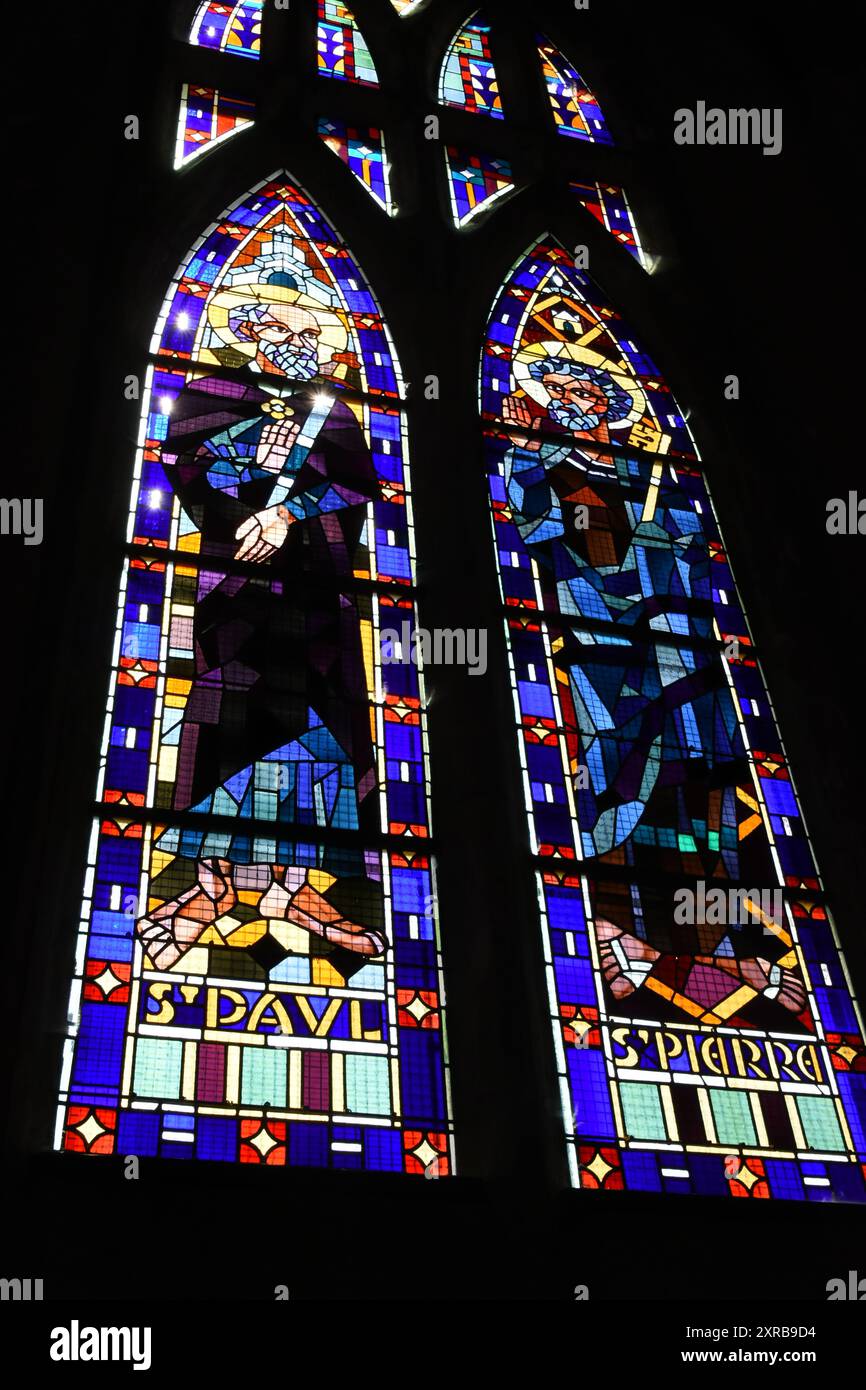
259	969
699	1002
258	976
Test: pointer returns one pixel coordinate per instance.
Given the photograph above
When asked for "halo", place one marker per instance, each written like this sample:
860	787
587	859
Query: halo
226	302
573	352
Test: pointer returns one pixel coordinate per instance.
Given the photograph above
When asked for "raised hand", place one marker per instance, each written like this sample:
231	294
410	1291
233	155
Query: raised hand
515	411
262	534
275	444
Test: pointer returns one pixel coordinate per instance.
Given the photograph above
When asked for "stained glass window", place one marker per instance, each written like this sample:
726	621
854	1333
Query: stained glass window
342	51
468	78
475	181
362	151
206	117
705	1030
259	976
234	29
609	206
575	109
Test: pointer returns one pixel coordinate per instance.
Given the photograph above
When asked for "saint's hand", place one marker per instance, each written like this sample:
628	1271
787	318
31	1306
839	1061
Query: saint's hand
516	412
262	534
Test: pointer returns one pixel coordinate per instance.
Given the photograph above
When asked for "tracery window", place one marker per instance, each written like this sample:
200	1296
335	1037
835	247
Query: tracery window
259	974
234	29
259	969
701	1010
468	77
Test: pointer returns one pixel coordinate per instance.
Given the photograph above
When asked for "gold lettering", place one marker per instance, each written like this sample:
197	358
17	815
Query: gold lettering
809	1062
619	1036
784	1051
278	1011
666	1053
159	992
356	1029
217	1020
749	1068
718	1063
319	1027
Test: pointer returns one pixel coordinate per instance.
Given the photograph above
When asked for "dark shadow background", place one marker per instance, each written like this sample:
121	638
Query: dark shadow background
760	274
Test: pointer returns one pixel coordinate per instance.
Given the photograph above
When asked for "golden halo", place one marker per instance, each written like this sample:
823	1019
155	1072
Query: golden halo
573	352
226	302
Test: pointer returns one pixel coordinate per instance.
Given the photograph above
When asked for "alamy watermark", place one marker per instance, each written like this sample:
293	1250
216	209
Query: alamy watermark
77	1343
21	1290
852	1289
737	126
846	516
22	516
718	907
443	646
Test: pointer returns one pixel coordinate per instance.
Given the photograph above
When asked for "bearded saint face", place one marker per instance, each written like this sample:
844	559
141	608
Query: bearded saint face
286	336
575	403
